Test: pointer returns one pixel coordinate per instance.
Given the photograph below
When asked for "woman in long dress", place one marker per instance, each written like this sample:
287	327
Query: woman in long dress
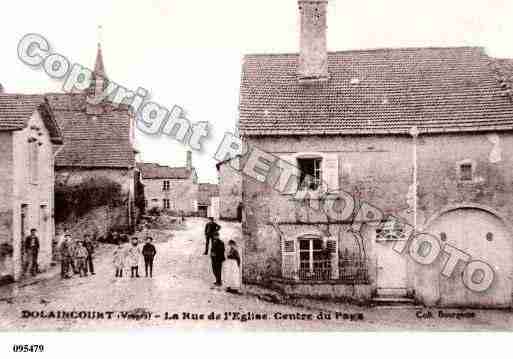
231	268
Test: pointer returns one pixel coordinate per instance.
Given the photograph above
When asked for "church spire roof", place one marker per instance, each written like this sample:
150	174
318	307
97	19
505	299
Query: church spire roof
99	68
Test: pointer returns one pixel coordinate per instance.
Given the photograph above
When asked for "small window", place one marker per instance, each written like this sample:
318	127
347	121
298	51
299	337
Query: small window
443	236
466	172
489	236
166	186
310	173
166	203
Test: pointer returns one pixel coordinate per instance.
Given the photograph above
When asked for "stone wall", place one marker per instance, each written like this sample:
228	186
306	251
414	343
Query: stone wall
230	190
6	200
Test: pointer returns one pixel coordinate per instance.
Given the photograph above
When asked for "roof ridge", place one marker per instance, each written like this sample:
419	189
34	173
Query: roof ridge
375	49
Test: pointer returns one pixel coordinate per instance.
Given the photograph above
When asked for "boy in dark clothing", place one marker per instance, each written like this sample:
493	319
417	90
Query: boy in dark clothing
149	253
217	256
210	228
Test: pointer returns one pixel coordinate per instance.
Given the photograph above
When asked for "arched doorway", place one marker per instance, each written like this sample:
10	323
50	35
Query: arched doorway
483	235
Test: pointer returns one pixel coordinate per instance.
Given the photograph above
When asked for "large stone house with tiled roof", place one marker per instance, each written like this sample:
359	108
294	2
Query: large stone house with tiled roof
423	136
29	140
172	189
98	144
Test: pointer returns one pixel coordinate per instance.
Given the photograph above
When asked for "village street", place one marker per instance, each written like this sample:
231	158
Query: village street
182	283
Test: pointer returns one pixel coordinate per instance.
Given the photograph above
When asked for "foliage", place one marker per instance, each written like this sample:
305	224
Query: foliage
6	249
154	211
78	199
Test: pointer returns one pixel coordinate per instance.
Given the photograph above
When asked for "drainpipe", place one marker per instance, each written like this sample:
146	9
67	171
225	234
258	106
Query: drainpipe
414	133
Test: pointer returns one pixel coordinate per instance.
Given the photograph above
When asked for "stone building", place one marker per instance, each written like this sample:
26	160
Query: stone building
98	144
379	142
230	189
29	140
208	194
173	189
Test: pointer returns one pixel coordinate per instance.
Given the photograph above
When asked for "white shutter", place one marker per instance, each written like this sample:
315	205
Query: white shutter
289	259
332	245
293	181
330	171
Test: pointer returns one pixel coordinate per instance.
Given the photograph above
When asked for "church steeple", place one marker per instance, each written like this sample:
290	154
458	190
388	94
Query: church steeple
99	78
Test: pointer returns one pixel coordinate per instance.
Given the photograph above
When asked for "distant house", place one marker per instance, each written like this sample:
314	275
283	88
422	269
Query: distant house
29	140
98	144
230	189
425	135
173	189
208	200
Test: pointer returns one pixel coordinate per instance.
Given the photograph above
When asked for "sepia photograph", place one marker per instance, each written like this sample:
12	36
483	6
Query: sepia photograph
263	166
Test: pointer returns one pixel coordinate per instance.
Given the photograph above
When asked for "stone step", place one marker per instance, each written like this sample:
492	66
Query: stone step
393	301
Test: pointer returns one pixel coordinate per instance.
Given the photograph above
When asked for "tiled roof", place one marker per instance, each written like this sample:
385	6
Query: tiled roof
156	171
206	191
16	110
92	140
377	91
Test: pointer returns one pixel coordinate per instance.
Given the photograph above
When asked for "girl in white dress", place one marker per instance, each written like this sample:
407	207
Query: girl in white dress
231	268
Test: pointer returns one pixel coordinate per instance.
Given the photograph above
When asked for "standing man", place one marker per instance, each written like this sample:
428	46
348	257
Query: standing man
32	250
66	256
149	253
217	256
210	228
88	243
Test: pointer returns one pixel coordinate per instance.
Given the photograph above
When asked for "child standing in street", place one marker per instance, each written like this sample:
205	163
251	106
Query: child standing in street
231	268
81	256
149	253
134	255
119	260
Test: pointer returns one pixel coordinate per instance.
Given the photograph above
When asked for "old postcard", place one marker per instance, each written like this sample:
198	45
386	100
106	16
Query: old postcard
300	165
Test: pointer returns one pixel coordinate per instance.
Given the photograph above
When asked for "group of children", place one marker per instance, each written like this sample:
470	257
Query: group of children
76	256
130	256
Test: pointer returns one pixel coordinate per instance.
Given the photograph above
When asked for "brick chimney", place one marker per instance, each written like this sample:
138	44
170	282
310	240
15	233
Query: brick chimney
313	52
189	160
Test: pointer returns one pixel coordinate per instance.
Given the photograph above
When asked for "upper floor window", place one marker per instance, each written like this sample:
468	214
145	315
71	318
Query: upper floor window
166	203
33	162
166	186
310	173
466	172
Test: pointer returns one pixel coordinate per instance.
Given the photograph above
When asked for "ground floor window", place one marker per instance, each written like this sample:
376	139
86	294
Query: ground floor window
316	258
167	204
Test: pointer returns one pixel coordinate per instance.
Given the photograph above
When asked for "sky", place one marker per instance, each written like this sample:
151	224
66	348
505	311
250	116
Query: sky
189	52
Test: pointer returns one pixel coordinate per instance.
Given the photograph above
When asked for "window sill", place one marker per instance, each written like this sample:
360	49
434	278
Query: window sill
317	282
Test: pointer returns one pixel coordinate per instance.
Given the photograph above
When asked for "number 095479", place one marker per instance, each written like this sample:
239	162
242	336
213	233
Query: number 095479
28	348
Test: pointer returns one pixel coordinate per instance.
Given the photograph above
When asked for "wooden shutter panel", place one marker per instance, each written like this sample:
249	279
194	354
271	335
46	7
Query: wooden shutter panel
289	259
291	160
330	171
332	245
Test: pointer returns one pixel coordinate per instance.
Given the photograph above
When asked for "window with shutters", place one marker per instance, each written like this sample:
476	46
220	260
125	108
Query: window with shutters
310	173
